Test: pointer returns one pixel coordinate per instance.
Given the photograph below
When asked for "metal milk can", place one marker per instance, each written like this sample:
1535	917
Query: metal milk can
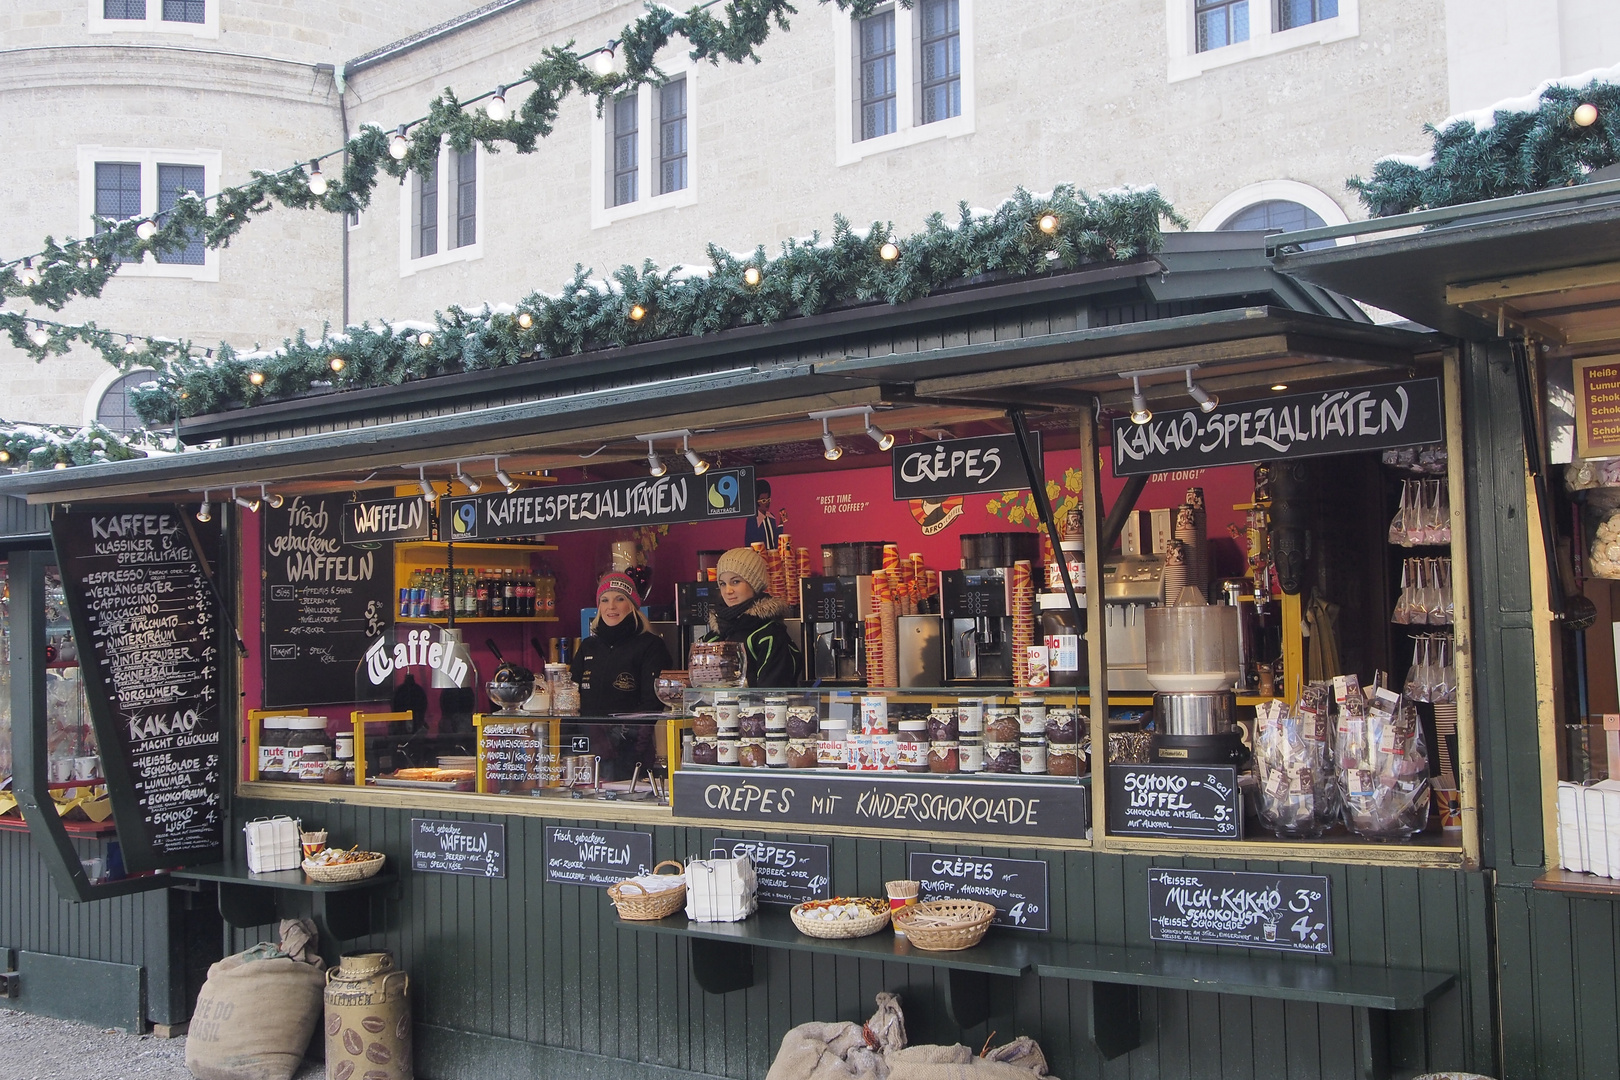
368	1019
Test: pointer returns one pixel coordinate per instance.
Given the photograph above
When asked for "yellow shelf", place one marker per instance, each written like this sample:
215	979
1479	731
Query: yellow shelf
460	619
468	545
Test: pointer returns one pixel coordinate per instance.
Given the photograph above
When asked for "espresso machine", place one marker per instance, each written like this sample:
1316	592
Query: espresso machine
693	601
832	609
977	608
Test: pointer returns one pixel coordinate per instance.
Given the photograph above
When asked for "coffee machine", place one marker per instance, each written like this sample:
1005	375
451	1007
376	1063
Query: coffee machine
693	601
977	608
835	631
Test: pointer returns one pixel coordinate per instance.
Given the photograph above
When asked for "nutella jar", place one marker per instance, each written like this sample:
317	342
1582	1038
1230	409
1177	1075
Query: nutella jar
942	726
801	754
705	750
832	751
751	753
1032	754
306	738
1063	759
1001	726
1001	757
776	750
273	732
911	746
776	714
728	748
970	754
943	757
801	722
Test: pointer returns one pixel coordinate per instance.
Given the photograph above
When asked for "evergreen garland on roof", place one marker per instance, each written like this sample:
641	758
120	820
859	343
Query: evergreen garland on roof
806	278
32	447
1520	152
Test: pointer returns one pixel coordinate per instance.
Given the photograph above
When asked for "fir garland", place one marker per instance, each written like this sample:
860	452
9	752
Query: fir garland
1522	151
1027	235
43	446
82	267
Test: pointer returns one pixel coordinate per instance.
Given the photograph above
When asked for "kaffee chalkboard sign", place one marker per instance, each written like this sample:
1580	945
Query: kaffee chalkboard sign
1287	912
147	626
470	848
787	873
325	602
1174	800
1285	426
1017	887
596	856
988	463
748	800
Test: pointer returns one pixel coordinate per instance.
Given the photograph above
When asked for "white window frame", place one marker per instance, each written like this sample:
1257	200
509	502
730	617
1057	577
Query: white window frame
148	160
1314	199
1186	62
408	263
675	64
850	149
154	23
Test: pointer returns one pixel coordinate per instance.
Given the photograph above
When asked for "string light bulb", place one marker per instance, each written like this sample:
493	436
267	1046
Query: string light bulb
28	275
889	251
60	465
830	448
130	348
496	108
146	229
525	320
256	378
603	59
336	364
1048	223
699	466
1140	413
1585	114
1279	386
205	510
5	456
40	336
751	276
398	144
274	498
637	313
424	339
317	182
1207	402
469	482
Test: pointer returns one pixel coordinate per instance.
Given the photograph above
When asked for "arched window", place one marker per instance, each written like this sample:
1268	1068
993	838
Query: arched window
1276	215
113	410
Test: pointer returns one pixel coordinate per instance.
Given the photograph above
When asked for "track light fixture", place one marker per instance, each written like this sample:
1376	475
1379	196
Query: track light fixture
275	499
426	488
655	464
699	466
503	478
1207	402
831	450
1140	413
469	482
884	440
205	509
250	505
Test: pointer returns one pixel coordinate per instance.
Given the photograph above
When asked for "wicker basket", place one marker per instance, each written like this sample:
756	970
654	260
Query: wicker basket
641	905
945	925
349	871
860	926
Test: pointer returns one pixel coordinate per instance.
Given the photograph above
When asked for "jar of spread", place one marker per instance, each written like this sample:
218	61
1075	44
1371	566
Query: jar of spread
345	754
273	748
306	738
725	714
970	754
1032	716
801	754
776	750
801	722
942	726
970	715
1032	754
776	714
705	750
751	722
727	750
1062	726
943	757
334	771
911	746
1001	757
1000	726
1063	759
833	751
751	753
703	723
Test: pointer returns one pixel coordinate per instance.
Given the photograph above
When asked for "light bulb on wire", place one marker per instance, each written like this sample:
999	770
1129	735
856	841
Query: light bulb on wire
603	59
889	251
41	336
1048	223
398	144
751	276
256	378
146	229
28	275
1585	114
1140	413
1207	402
496	106
525	320
130	348
317	182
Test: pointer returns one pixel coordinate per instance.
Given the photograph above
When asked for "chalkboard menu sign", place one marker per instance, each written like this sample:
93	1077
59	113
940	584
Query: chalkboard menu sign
371	521
1285	426
470	848
147	626
596	856
325	602
786	873
1017	887
517	756
1174	800
988	463
1288	912
749	800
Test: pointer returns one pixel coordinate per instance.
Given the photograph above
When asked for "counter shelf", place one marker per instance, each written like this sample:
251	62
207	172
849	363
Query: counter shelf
342	910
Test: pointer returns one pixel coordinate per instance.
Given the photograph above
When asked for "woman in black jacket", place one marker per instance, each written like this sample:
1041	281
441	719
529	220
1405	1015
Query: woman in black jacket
754	617
617	666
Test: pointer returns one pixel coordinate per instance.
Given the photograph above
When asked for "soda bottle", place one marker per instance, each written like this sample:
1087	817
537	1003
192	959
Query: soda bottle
497	597
509	590
483	594
405	595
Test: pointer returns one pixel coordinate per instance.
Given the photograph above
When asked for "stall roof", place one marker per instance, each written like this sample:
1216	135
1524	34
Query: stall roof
1552	267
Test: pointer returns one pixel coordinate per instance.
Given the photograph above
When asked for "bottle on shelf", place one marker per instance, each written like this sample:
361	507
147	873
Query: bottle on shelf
497	597
406	592
483	594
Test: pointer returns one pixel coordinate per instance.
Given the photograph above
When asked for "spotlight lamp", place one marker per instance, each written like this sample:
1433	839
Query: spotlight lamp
1140	413
1585	114
471	483
699	466
830	448
424	487
884	440
503	478
317	182
1207	402
655	464
205	509
496	108
398	144
275	499
250	505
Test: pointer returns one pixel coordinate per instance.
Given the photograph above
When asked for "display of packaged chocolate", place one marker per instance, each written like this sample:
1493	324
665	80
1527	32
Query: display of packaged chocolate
1383	764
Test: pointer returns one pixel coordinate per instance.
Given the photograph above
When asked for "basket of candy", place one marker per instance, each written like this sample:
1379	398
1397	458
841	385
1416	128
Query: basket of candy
335	865
841	917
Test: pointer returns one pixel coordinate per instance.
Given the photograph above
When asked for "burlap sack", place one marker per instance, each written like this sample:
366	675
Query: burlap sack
257	1011
1020	1059
842	1051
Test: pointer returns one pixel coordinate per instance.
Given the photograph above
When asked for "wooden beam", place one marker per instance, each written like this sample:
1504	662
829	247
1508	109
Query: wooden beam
1541	283
1266	347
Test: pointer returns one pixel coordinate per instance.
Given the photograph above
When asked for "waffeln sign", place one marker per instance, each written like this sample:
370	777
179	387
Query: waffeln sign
469	848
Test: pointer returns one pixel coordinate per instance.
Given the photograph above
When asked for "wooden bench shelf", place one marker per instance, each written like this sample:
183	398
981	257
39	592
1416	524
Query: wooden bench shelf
341	910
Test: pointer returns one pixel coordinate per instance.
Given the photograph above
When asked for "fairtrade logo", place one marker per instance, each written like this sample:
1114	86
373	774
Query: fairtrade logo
465	521
934	514
725	494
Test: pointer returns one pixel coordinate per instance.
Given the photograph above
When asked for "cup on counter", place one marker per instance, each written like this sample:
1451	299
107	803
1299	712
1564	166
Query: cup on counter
87	768
61	769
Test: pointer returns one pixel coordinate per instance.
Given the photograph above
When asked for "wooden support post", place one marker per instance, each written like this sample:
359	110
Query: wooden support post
1115	1019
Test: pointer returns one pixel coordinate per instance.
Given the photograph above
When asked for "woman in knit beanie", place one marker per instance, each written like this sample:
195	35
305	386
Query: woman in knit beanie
754	617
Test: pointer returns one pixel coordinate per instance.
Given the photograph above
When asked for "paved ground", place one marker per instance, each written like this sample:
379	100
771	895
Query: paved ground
39	1048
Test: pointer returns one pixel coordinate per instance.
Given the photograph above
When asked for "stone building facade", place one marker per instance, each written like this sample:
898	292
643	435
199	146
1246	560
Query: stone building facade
1243	112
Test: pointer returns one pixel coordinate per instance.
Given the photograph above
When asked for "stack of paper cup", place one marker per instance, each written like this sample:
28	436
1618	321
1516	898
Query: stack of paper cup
1023	613
1175	571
